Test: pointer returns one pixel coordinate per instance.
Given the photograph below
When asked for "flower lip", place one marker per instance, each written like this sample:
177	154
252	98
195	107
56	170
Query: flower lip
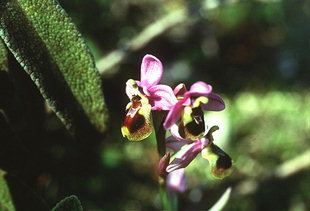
136	125
220	162
192	125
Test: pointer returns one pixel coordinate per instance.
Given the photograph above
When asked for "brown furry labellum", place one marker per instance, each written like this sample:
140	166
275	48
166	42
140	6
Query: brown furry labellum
137	122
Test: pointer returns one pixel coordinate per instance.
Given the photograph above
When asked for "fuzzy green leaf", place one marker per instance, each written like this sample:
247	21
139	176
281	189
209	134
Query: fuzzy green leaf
6	202
3	73
71	203
3	57
48	46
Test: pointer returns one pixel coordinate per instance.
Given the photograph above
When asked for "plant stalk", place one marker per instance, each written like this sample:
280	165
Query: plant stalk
168	201
160	132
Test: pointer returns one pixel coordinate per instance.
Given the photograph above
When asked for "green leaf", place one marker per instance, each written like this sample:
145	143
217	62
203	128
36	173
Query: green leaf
24	196
3	57
4	80
48	46
6	203
220	204
71	203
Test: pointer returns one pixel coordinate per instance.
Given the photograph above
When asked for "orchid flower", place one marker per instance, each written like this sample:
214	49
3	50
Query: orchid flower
161	97
189	109
187	150
184	119
146	95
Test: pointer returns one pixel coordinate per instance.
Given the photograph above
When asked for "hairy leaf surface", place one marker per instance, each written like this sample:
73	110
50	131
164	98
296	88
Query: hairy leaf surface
71	203
47	44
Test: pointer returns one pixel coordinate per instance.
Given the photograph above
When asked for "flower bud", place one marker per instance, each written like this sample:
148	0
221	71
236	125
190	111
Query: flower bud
162	165
180	90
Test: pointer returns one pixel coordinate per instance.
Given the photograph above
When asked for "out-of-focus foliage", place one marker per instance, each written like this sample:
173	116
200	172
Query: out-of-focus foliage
261	138
6	202
220	204
70	203
253	53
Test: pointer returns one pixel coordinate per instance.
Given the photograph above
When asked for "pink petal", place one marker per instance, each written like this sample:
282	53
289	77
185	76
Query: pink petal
187	100
180	89
174	115
204	142
185	156
176	142
200	88
161	97
176	145
151	71
215	103
176	180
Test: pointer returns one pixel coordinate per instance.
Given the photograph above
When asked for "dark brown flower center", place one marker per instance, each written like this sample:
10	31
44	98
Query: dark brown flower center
194	128
224	160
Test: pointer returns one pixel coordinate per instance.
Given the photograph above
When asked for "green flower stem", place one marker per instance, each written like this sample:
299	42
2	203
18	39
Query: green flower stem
174	200
169	199
158	120
164	197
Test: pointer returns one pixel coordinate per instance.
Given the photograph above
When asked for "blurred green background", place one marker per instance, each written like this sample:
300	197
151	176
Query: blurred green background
255	54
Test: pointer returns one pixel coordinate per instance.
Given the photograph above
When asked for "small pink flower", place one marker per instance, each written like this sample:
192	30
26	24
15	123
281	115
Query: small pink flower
215	102
187	150
189	109
161	97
